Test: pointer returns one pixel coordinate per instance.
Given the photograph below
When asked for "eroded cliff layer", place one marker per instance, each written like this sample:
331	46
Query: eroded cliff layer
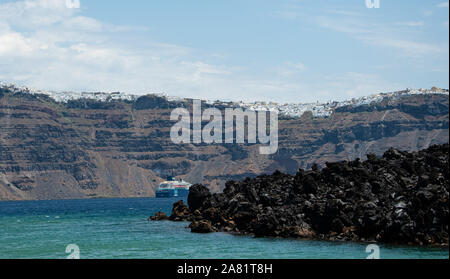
86	148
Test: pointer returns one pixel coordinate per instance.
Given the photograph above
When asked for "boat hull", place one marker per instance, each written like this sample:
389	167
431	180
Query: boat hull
166	193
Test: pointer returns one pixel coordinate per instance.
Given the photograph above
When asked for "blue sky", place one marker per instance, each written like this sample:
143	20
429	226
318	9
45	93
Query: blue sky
285	51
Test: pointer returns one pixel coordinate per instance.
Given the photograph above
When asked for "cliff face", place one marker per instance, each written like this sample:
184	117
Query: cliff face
86	149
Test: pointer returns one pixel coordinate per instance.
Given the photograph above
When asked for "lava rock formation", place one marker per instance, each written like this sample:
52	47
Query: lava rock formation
399	198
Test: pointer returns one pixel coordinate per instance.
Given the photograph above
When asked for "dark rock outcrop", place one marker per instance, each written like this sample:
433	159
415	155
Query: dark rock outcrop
400	198
197	194
180	212
159	216
202	226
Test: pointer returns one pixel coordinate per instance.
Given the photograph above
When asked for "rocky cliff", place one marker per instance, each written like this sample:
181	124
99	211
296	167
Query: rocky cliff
86	148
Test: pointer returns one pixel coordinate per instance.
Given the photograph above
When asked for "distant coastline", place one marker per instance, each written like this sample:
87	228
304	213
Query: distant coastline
318	109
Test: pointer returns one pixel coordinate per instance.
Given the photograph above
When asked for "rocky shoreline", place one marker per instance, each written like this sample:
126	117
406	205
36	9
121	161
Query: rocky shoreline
399	198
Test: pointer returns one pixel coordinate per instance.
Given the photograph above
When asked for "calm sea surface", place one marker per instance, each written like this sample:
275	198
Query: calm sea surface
118	228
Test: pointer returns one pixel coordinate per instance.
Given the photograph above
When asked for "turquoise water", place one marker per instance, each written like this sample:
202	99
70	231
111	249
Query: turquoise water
118	228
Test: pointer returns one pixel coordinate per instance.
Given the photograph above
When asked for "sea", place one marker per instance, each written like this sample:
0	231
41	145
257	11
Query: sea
118	229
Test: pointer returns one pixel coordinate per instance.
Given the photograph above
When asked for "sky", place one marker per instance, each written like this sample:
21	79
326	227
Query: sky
249	50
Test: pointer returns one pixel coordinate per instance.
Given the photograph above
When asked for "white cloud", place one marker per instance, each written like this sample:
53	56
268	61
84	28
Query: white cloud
412	23
14	44
407	47
369	29
47	46
299	66
354	84
344	25
290	69
443	5
61	49
84	23
381	35
32	14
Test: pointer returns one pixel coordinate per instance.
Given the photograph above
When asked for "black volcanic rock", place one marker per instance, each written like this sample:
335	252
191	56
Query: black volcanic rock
398	198
159	216
197	194
202	226
180	212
